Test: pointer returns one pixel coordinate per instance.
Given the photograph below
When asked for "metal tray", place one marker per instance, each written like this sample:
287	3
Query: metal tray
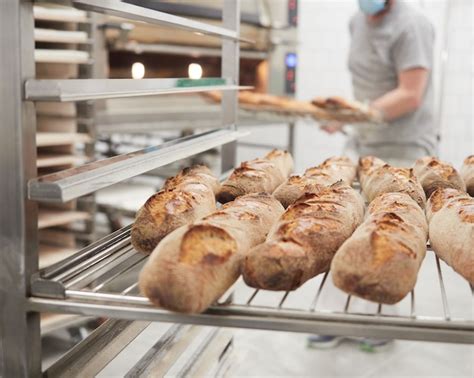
101	280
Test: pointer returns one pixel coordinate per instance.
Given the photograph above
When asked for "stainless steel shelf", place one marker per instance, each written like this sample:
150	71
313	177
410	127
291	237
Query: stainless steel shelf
75	182
94	89
101	280
121	9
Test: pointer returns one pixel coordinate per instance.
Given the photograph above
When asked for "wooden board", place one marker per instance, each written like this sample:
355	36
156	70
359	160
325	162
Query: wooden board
60	14
46	160
61	56
52	217
53	124
57	71
60	139
63	109
51	254
57	237
60	36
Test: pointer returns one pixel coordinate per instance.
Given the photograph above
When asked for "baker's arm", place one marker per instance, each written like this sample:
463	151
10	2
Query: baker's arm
406	98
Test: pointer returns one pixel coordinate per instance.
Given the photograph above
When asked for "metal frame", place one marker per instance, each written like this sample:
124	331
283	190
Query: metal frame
20	324
75	182
137	13
19	330
102	280
96	89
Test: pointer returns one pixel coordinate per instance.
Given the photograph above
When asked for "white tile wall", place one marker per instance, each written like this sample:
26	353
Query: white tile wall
322	70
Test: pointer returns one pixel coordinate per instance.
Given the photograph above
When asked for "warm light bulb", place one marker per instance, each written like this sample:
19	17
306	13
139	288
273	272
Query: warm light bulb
194	71
138	70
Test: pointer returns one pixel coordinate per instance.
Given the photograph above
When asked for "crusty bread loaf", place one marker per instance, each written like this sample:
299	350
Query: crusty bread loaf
327	173
194	265
376	179
257	176
367	165
186	197
467	173
380	261
302	243
433	173
336	103
451	229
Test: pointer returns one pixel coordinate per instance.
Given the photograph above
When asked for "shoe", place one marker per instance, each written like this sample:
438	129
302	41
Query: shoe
323	341
375	345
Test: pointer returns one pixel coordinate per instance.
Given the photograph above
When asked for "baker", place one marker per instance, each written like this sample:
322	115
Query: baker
391	64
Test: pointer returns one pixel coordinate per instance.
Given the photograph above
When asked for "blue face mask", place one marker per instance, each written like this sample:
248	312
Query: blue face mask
372	7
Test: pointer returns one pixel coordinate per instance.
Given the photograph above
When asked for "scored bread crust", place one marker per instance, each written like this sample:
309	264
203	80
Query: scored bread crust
467	173
261	175
366	166
327	173
186	197
433	173
196	264
377	179
381	260
451	229
303	241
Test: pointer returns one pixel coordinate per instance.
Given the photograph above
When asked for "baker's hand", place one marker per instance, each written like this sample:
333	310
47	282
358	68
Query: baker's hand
332	127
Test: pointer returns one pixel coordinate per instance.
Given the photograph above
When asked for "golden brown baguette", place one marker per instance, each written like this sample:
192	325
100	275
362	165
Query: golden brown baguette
257	176
467	173
302	243
327	173
380	261
188	196
194	265
366	166
376	179
433	173
345	110
451	229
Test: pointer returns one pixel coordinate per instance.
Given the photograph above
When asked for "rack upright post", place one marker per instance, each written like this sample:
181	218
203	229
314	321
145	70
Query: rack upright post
230	68
20	346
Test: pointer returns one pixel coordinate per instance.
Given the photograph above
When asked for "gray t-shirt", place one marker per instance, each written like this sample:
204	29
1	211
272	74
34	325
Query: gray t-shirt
404	39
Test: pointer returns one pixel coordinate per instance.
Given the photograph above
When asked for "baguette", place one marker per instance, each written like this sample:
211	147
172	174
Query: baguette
327	173
433	173
195	265
381	260
304	240
451	229
257	176
188	196
377	179
467	173
336	103
367	165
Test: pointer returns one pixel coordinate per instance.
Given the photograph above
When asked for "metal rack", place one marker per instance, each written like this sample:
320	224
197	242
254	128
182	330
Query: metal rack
101	280
20	326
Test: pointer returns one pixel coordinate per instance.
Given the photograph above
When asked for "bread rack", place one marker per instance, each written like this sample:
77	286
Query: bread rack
20	189
85	282
101	280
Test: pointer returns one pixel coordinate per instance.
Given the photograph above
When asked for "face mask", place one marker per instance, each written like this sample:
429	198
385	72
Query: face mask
372	7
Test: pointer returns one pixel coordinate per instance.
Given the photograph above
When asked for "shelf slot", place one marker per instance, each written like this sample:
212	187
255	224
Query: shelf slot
95	89
75	182
137	13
